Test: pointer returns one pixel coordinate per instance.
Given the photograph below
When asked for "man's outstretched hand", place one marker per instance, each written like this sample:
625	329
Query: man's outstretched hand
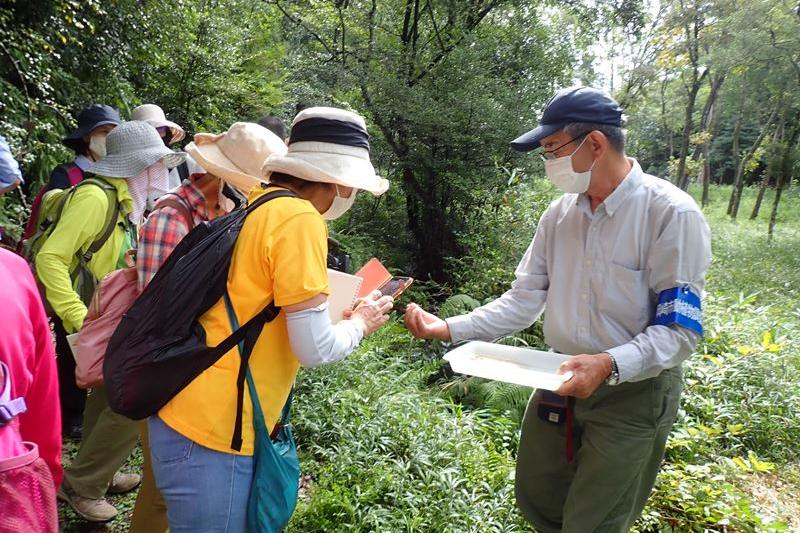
424	325
589	372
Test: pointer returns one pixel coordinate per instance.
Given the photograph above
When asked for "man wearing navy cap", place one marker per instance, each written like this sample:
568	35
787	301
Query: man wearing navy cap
618	264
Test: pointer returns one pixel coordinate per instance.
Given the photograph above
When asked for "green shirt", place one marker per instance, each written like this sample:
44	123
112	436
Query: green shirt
81	223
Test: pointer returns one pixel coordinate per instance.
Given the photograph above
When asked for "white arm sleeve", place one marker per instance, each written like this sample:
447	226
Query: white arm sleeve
315	341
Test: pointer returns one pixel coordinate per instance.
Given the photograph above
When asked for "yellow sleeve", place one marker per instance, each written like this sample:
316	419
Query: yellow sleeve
81	222
298	259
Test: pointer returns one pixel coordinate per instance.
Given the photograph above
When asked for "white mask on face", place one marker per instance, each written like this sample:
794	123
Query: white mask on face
561	173
97	144
340	205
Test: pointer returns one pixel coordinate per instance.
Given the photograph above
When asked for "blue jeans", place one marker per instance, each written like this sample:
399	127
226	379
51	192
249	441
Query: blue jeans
205	490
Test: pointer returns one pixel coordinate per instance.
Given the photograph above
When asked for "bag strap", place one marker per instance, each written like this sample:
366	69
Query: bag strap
247	334
178	204
246	345
111	215
9	408
74	173
283	193
183	171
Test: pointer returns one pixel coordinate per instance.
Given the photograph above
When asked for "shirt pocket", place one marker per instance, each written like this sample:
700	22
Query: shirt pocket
626	298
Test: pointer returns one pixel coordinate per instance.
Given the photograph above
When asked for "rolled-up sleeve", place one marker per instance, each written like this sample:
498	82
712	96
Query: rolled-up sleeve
677	262
517	308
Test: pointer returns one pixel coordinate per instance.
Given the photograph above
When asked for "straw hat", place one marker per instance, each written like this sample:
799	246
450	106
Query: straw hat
329	145
237	155
131	147
154	115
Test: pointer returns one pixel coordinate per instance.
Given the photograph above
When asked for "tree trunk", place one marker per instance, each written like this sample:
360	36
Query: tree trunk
707	118
706	173
738	187
784	169
664	124
767	175
709	122
737	130
682	179
761	190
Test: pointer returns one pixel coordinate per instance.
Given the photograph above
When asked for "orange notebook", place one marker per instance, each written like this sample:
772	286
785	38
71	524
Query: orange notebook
374	275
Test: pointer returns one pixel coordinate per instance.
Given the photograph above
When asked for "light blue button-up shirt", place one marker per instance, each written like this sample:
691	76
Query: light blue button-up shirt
597	277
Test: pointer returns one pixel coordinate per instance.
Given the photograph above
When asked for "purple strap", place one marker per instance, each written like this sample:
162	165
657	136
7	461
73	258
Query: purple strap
9	408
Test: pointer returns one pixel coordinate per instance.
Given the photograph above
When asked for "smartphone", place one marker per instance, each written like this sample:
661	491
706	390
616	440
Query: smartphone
396	286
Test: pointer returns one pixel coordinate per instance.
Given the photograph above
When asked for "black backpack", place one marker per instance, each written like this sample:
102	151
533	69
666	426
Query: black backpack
159	347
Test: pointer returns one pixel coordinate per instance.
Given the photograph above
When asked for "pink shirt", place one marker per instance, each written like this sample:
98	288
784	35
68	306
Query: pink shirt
26	346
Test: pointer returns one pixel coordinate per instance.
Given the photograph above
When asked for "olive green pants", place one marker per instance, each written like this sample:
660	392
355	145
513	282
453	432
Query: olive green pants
619	435
108	440
150	512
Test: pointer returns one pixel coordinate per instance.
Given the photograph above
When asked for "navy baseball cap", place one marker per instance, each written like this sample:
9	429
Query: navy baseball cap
91	117
573	104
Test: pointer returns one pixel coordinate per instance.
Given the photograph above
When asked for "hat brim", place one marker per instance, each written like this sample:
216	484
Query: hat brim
132	164
71	140
214	161
530	141
328	163
177	132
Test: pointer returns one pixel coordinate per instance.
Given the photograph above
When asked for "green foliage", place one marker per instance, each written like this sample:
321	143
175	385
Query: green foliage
446	86
385	455
206	63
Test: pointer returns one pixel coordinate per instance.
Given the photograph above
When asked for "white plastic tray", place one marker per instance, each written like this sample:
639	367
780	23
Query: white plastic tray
522	366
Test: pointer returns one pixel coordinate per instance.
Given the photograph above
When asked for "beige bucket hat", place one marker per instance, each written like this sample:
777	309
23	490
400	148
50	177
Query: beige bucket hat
237	155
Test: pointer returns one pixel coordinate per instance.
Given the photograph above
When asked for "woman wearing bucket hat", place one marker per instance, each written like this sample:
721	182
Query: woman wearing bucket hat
88	142
137	161
200	197
171	133
280	256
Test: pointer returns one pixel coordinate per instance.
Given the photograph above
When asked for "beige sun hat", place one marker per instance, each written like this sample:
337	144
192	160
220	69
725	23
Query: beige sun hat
329	145
237	155
154	115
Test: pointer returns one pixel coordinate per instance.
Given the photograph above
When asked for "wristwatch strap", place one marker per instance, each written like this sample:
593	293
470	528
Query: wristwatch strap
613	378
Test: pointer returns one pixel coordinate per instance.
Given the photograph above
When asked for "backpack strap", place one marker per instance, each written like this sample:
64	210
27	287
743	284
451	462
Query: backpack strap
9	409
247	335
183	171
111	215
252	330
177	202
74	173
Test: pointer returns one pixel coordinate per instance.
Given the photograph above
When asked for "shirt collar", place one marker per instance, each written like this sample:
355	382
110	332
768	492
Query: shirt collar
83	162
629	184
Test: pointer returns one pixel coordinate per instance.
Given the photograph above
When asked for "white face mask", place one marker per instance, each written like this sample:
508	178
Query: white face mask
561	173
97	144
340	205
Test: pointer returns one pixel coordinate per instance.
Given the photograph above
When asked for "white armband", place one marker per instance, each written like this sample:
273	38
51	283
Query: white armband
315	341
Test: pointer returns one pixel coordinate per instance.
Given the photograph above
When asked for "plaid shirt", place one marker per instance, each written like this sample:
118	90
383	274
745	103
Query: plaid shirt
164	229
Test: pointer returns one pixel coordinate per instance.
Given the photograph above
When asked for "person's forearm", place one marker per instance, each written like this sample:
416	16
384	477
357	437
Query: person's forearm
54	275
515	310
315	341
655	349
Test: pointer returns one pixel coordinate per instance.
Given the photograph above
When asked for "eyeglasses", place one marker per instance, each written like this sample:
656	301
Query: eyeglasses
162	130
551	154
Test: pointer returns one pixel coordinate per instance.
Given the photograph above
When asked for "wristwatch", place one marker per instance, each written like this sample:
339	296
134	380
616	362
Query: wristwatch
613	378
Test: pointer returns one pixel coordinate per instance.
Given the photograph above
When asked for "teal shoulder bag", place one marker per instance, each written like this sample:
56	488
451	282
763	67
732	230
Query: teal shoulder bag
276	469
